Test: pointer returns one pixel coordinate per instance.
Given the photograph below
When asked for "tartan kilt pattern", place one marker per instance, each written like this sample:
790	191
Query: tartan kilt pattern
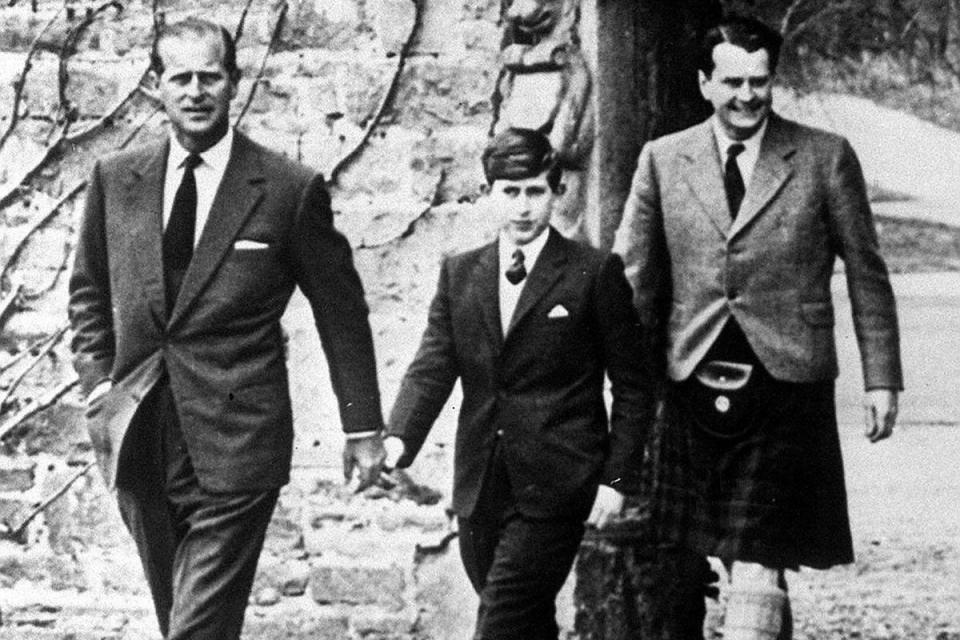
775	496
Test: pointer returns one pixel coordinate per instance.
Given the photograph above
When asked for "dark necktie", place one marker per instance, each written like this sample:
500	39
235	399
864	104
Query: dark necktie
179	234
516	272
733	180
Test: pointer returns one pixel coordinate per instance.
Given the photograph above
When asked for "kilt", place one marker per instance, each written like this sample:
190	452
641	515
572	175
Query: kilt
774	495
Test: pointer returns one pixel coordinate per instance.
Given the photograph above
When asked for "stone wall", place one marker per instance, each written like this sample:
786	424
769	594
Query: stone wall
392	100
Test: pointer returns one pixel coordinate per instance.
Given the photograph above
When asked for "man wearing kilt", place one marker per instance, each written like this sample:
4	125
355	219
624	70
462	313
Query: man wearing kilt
729	237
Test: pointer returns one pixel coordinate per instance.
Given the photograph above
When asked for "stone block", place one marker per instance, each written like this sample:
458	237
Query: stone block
358	584
17	474
296	618
447	602
369	622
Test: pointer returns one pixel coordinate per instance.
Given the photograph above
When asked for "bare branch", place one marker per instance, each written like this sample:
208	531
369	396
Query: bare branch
274	38
388	96
40	222
7	302
36	406
21	80
238	33
788	15
49	343
46	502
23	354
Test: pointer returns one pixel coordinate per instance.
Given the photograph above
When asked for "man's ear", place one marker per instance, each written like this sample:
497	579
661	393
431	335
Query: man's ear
152	85
703	80
484	189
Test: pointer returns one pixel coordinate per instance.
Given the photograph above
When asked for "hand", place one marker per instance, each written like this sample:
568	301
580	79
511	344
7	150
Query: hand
606	507
880	413
101	389
395	449
366	456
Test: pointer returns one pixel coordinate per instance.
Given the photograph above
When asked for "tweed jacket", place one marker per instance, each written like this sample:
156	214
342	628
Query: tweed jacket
691	268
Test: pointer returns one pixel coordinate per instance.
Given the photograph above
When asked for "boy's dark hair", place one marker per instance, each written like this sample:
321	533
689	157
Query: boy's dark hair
516	154
745	32
194	26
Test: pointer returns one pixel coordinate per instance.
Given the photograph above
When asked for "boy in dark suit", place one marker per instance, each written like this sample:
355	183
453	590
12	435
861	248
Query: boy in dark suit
530	324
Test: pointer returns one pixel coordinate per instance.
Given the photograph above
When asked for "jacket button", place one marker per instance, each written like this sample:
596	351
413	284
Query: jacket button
732	294
499	433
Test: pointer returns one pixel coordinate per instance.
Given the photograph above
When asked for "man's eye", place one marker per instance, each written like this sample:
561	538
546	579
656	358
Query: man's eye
512	192
209	78
733	83
759	83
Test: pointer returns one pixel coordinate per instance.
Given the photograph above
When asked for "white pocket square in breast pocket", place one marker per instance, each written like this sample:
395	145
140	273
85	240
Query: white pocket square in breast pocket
558	311
245	245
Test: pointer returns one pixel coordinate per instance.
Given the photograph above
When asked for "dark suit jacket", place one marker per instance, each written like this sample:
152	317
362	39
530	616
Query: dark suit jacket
222	346
541	386
806	204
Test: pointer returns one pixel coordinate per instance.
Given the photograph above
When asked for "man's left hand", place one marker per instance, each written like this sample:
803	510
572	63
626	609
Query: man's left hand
366	455
606	507
880	408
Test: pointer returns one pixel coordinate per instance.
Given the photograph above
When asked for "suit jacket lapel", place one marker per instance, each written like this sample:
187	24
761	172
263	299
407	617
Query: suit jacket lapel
143	216
545	273
769	175
485	292
239	192
705	177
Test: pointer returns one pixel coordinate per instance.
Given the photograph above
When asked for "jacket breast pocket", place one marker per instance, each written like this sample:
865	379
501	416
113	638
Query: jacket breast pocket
818	314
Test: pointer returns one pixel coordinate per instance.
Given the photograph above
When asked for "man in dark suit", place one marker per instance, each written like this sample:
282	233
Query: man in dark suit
729	236
529	323
187	255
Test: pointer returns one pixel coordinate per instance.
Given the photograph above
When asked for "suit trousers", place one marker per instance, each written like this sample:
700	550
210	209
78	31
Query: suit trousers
199	549
516	564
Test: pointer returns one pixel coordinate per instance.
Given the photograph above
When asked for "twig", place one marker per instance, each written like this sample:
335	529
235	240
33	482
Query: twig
68	113
238	32
788	15
36	406
38	224
21	80
46	502
23	354
274	38
8	301
51	341
388	96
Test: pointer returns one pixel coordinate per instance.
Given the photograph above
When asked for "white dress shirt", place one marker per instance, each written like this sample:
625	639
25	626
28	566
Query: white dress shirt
510	293
208	175
747	159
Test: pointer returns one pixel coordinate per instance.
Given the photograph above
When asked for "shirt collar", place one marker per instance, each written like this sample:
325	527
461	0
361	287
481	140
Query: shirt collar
216	156
531	250
751	144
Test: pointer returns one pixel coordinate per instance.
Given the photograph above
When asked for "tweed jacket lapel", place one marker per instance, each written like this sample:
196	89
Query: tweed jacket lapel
771	172
484	291
239	192
544	275
143	220
704	176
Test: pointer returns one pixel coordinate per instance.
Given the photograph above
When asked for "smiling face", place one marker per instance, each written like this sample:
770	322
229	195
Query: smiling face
524	205
196	89
740	88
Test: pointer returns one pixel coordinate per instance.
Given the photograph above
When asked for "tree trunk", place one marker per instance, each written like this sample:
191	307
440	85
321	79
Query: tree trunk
628	586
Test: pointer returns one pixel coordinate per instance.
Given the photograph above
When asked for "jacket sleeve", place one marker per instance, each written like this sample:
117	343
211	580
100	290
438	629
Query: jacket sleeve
630	370
641	242
90	307
868	283
429	380
324	270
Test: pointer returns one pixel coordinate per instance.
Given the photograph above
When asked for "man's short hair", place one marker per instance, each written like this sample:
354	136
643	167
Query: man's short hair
517	154
742	31
195	27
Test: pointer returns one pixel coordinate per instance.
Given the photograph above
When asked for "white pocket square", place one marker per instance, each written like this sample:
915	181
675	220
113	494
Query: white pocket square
241	245
558	311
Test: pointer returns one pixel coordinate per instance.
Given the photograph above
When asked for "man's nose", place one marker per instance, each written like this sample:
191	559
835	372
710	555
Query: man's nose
745	92
194	88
